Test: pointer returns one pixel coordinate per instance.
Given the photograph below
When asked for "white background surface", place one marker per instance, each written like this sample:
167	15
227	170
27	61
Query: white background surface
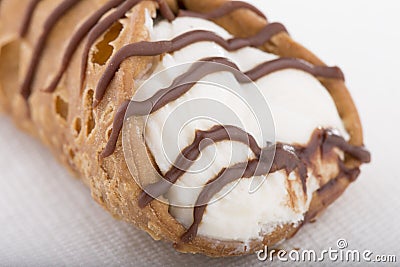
47	217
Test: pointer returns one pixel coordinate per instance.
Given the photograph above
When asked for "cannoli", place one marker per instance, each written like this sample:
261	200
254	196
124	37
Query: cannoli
199	122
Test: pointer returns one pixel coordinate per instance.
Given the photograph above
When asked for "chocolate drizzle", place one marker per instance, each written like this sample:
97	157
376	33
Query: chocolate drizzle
165	10
145	48
331	140
187	157
223	10
198	70
49	24
288	158
116	130
28	17
291	63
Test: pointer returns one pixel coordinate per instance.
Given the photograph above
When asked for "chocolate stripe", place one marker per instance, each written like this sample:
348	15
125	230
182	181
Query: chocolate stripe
187	157
77	38
26	21
186	81
161	47
290	63
49	24
359	153
116	130
226	176
107	22
165	10
287	157
223	10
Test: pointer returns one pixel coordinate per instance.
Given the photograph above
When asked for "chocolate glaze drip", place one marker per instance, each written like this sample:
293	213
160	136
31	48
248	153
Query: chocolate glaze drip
107	22
28	17
165	10
116	129
77	38
331	140
157	48
187	157
287	158
49	24
223	10
186	81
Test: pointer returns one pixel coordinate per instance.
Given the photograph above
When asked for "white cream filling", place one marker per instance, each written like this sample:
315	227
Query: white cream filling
299	105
